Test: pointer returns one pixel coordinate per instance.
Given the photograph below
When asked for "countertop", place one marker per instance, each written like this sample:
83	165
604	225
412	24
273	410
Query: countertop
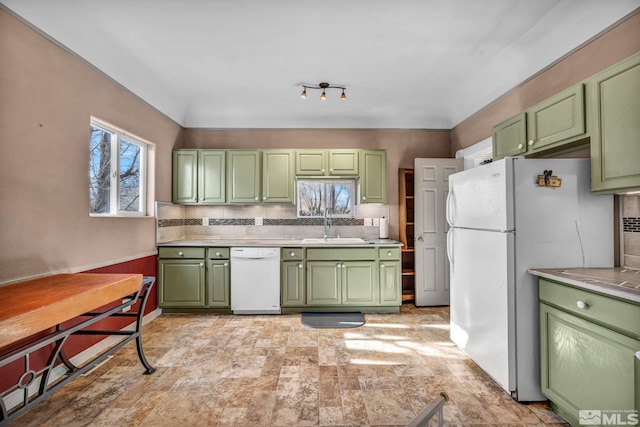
266	242
618	281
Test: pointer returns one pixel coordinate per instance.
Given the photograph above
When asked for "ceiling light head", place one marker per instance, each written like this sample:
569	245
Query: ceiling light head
343	97
323	96
303	95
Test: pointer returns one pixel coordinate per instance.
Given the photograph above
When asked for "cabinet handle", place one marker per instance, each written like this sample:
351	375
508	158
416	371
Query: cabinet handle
217	253
582	305
364	198
264	197
343	266
389	253
300	265
381	265
202	264
179	253
520	146
338	265
226	264
255	198
292	254
323	170
531	142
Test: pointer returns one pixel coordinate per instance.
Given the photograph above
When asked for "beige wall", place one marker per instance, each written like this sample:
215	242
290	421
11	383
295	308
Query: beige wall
402	147
47	96
612	46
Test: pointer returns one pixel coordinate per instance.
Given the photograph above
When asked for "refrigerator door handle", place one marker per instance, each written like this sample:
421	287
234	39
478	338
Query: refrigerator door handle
448	208
450	246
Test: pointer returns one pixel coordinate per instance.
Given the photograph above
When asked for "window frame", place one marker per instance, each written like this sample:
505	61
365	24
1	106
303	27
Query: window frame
118	136
326	182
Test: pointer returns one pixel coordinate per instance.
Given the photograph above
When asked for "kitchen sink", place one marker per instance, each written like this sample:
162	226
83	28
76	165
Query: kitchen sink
334	241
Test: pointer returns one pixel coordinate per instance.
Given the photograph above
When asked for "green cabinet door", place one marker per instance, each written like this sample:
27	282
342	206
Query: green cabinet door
343	162
510	137
614	117
373	176
292	293
218	283
556	120
278	176
181	283
390	283
185	176
323	283
311	162
243	176
211	176
586	366
359	282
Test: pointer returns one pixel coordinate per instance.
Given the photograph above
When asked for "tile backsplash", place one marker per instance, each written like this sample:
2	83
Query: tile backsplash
631	230
176	222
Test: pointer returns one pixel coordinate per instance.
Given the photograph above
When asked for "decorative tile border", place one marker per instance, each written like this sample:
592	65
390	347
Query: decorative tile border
251	221
631	225
170	223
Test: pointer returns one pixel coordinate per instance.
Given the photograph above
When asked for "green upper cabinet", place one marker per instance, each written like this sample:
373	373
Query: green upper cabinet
327	162
510	137
278	176
198	176
556	120
614	119
185	176
211	176
243	176
343	162
551	125
373	176
311	162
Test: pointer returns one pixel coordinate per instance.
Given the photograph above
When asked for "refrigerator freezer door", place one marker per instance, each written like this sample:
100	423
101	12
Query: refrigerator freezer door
482	301
482	197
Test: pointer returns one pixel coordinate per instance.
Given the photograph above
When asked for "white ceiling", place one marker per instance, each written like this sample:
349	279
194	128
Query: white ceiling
241	63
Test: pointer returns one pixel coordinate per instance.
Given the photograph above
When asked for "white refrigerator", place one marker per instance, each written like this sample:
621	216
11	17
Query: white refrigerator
501	224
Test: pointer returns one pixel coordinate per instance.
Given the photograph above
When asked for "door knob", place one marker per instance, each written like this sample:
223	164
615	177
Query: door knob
420	239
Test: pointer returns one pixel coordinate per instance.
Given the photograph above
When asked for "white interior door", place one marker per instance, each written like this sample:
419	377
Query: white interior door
431	185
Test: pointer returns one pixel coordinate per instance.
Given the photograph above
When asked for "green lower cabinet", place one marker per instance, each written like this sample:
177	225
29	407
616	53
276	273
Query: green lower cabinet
390	283
359	282
586	366
589	353
181	283
292	292
218	284
323	283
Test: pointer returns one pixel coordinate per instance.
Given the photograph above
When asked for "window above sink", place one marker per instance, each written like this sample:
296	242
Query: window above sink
314	196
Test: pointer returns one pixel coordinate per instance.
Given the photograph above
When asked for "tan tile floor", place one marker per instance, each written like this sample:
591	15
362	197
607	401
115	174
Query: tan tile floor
226	370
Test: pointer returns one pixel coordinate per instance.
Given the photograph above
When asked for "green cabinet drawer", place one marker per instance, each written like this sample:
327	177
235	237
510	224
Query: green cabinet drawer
295	254
181	252
388	253
341	254
217	253
605	310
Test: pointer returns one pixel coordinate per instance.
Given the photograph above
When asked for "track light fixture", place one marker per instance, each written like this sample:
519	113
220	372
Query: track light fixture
324	86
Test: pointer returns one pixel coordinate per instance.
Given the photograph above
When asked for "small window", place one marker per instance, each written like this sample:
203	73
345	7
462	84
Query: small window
314	196
117	172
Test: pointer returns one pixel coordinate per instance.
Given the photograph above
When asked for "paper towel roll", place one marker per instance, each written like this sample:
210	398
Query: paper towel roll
384	228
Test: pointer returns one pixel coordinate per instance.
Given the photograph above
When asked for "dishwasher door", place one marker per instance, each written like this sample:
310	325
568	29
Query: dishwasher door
255	280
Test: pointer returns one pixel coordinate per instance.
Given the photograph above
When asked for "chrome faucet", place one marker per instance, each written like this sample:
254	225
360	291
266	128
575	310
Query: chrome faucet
327	223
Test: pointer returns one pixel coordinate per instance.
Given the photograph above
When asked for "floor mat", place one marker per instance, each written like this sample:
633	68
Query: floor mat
332	320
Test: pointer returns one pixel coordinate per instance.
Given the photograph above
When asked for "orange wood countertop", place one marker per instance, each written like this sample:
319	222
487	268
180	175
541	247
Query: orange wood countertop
35	305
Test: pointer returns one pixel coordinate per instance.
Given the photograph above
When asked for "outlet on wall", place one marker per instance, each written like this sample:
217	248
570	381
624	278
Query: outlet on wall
205	221
259	220
368	222
376	222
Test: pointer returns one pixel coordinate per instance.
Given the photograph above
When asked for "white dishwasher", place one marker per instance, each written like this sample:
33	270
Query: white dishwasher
255	280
